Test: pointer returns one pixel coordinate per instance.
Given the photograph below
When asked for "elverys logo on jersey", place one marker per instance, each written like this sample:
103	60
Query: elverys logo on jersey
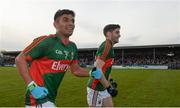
67	55
58	66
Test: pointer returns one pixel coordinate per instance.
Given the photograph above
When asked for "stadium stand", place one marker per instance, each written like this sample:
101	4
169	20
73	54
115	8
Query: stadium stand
7	58
168	55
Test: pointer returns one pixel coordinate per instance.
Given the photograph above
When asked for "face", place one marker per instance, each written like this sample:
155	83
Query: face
65	25
115	35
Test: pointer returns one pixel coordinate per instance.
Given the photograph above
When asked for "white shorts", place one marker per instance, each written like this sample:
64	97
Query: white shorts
95	98
46	104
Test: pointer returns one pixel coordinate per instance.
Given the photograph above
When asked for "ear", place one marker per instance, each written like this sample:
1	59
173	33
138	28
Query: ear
108	34
55	24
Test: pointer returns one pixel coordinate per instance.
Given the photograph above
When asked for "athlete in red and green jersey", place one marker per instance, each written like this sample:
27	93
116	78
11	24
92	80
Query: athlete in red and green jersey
106	53
49	57
99	90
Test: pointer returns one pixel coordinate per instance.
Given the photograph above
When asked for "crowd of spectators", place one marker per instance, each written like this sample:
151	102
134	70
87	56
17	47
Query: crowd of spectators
138	60
146	60
135	60
7	61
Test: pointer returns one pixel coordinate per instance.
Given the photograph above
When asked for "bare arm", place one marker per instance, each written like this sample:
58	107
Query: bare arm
103	80
78	71
22	67
110	76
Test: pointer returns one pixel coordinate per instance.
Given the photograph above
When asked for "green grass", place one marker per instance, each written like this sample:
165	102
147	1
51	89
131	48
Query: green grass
136	88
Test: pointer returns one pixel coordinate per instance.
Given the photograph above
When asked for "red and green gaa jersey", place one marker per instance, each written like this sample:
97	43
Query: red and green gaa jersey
105	53
49	59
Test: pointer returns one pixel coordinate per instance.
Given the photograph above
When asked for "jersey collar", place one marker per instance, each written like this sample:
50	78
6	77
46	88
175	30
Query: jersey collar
64	41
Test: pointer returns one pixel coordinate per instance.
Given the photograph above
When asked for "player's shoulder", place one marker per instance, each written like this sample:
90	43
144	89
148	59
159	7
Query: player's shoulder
107	43
73	44
45	38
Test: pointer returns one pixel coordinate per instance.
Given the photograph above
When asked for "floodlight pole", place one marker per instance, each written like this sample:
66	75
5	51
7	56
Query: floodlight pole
154	54
122	57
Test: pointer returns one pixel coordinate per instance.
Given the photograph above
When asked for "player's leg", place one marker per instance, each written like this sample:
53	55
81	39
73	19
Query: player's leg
48	104
93	98
107	99
107	102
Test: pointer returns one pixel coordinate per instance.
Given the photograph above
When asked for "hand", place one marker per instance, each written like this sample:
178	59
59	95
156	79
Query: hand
96	73
37	91
112	91
113	83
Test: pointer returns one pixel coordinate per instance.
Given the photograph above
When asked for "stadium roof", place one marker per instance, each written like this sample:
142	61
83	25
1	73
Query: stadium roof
139	47
149	46
11	53
15	53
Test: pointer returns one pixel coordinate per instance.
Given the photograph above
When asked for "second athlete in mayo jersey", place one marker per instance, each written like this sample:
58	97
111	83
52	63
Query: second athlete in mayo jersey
105	53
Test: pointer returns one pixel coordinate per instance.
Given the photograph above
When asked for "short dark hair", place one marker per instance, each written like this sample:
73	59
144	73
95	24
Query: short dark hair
110	28
62	12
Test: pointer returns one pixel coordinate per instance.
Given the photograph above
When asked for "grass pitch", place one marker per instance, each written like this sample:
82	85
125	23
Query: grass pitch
136	88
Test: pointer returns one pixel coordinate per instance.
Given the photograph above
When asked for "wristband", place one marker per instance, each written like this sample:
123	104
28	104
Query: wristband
31	86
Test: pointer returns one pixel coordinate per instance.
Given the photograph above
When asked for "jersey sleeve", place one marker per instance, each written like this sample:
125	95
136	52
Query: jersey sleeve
103	50
36	49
